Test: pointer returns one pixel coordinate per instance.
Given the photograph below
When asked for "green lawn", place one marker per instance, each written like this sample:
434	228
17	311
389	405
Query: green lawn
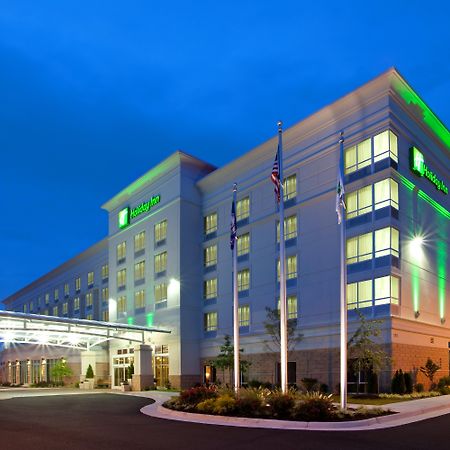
369	401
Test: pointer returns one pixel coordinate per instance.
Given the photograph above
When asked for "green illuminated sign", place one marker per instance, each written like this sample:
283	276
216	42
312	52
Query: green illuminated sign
126	214
418	166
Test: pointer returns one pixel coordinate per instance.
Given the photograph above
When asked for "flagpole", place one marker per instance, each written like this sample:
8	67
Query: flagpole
237	381
283	313
343	286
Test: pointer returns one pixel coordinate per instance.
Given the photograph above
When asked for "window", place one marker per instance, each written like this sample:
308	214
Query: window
386	193
291	268
105	271
78	284
89	316
31	307
210	256
55	311
210	223
210	321
139	271
161	231
243	209
358	156
243	280
387	290
65	308
290	228
386	242
210	288
47	298
89	300
359	202
291	306
139	299
122	278
139	241
385	146
105	316
290	187
359	295
121	252
56	294
66	289
90	278
122	304
160	292
359	248
243	244
244	315
161	262
76	304
105	294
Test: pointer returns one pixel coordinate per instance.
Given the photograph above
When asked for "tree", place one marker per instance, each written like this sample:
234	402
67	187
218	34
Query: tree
429	370
366	355
89	372
225	359
272	326
61	370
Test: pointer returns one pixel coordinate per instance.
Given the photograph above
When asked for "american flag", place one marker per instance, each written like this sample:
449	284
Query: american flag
233	228
340	203
275	177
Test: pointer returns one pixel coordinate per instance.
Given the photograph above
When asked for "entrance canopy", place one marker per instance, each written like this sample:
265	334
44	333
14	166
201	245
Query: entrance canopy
81	334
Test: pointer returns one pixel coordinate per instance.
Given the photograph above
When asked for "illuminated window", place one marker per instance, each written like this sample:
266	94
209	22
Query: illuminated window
56	294
244	315
66	289
291	306
243	209
386	242
210	321
290	187
387	290
122	304
55	311
291	268
139	241
105	294
385	146
161	231
105	316
139	299
121	251
77	284
89	300
139	271
160	292
122	278
386	193
76	304
243	244
89	316
210	288
290	228
359	202
105	271
210	256
65	308
31	306
210	223
359	295
243	277
161	262
358	156
359	248
47	298
90	278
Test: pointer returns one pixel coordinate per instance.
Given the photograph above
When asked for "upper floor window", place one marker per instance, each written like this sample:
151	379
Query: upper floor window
90	278
244	315
385	146
160	292
78	284
105	294
139	271
210	288
122	304
65	308
76	303
387	242
47	298
290	228
105	316
291	267
291	306
55	311
243	208
210	321
243	280
161	262
89	299
121	278
161	231
386	193
105	271
359	248
66	289
139	241
121	251
56	294
367	293
210	255
243	244
139	299
210	223
290	187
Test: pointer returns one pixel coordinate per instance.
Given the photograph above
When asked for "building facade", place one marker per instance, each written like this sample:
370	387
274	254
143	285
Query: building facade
166	259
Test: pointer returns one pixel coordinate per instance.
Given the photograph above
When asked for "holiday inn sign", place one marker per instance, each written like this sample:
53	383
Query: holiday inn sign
126	214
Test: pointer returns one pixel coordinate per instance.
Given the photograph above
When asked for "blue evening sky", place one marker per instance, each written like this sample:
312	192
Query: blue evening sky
94	93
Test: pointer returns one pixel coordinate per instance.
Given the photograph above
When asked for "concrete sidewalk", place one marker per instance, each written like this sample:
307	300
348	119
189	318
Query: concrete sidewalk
406	412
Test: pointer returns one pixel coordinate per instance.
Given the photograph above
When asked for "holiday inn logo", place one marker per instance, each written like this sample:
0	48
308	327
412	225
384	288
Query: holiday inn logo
127	213
124	217
418	166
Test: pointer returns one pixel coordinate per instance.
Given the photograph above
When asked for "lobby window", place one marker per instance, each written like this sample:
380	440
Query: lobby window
210	223
90	279
243	277
386	193
243	209
78	284
121	278
210	256
122	304
105	271
290	187
47	298
89	300
161	262
65	308
385	146
160	292
291	306
105	294
139	242
358	156
76	304
359	295
210	321
56	294
243	244
105	316
55	311
387	290
161	231
244	315
121	251
359	248
139	271
386	242
66	289
210	288
290	228
291	268
139	299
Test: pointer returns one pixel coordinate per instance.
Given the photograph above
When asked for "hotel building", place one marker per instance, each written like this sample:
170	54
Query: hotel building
166	260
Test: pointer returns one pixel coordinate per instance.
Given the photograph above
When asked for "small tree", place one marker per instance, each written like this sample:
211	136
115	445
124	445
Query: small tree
61	370
429	370
366	355
130	371
272	326
89	372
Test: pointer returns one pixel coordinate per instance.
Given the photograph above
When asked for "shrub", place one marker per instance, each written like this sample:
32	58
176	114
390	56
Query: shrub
398	385
444	385
408	382
419	387
315	407
89	372
249	403
206	406
280	404
324	388
195	395
224	405
309	383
